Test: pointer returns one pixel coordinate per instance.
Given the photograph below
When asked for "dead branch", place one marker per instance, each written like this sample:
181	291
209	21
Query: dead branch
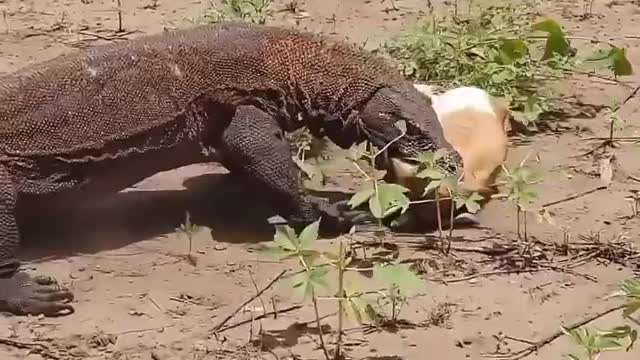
569	271
485	274
110	37
549	339
626	100
33	347
574	196
241	306
264	315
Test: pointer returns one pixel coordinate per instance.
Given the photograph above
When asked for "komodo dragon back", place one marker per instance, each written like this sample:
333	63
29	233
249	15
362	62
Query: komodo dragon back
109	96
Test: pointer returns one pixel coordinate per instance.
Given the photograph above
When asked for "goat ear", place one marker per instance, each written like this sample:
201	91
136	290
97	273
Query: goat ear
503	113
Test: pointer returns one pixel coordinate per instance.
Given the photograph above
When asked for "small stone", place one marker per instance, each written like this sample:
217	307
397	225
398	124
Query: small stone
201	346
219	247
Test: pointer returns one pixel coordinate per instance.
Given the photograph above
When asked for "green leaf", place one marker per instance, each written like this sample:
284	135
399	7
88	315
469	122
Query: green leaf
276	252
430	174
358	309
630	308
512	50
556	40
307	282
426	157
548	26
309	234
619	62
633	337
309	256
399	275
391	196
311	171
376	207
472	204
431	186
357	151
556	44
362	195
503	76
285	237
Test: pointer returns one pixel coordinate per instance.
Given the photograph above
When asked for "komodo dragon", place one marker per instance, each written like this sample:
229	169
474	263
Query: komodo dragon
99	120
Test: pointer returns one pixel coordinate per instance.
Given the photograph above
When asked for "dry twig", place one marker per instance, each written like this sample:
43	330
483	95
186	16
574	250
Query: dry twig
574	196
33	347
549	339
241	306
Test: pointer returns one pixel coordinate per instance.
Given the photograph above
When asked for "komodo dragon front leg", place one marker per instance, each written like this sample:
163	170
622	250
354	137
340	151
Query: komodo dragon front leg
254	146
21	294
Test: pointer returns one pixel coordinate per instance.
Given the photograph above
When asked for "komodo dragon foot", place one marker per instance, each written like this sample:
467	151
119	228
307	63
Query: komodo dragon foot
254	145
22	294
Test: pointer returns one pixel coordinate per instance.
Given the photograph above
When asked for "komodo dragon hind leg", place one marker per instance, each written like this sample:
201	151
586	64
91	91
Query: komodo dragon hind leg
254	145
21	294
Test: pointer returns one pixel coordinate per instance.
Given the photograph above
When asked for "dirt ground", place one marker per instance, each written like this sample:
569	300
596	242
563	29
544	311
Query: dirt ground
137	298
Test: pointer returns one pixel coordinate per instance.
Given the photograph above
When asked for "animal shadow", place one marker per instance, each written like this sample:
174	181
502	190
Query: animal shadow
233	212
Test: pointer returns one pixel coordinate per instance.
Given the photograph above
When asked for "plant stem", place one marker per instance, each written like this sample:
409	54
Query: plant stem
340	299
120	29
611	126
524	221
518	220
451	218
315	308
317	313
386	146
438	214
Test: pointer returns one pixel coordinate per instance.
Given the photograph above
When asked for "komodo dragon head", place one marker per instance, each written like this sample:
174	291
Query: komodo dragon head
392	109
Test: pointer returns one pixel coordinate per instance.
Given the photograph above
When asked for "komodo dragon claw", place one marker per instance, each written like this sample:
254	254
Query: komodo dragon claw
25	295
338	218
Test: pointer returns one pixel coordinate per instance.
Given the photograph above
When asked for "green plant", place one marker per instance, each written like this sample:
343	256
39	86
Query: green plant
519	183
255	11
593	343
443	172
384	199
502	50
400	281
351	300
189	230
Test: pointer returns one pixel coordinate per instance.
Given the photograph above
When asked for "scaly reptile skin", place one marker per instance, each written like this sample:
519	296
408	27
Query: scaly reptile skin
99	120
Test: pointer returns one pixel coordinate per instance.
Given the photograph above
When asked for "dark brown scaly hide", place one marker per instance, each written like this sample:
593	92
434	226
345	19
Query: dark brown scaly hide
153	93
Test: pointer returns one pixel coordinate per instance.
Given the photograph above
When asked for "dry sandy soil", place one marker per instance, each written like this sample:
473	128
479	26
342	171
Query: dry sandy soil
137	298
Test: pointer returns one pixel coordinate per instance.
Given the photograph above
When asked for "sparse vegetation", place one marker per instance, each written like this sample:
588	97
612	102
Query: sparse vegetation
397	282
506	50
519	184
592	343
255	11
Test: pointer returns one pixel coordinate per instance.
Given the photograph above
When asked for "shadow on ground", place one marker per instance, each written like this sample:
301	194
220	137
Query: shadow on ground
233	212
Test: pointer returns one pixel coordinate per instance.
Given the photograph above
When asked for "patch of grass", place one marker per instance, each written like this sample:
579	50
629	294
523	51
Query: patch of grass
255	11
505	50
